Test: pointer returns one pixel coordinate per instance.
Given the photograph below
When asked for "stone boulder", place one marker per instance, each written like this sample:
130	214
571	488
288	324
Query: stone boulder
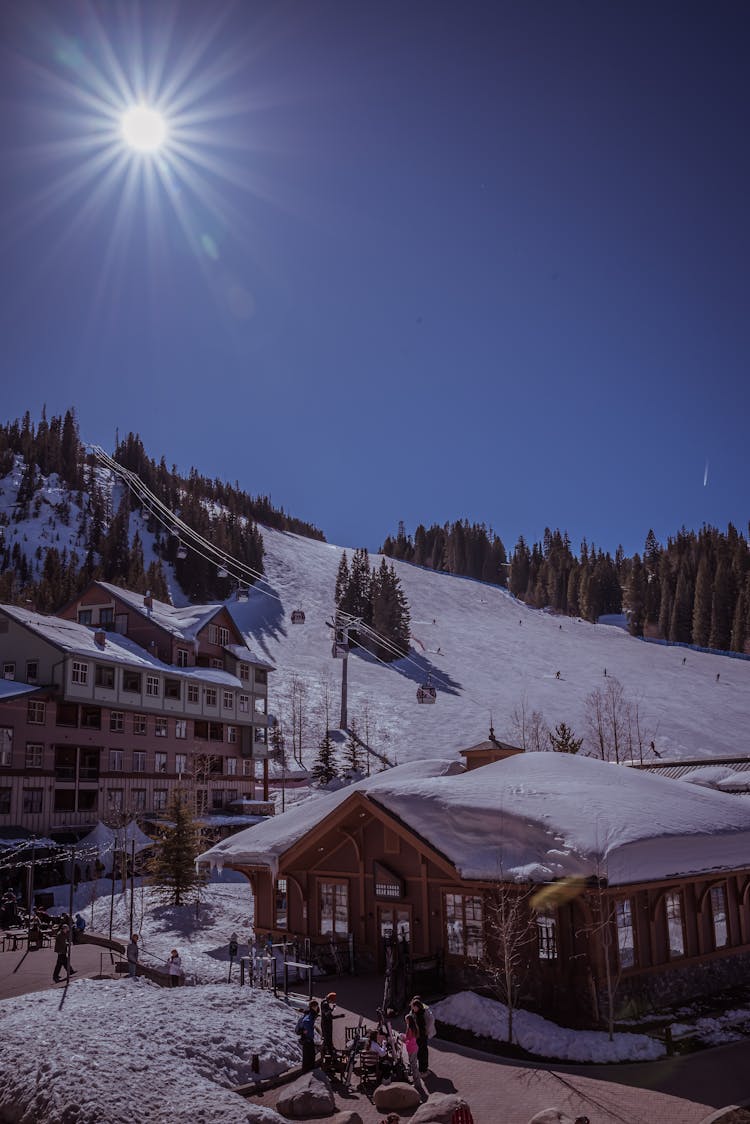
396	1097
347	1116
438	1109
310	1095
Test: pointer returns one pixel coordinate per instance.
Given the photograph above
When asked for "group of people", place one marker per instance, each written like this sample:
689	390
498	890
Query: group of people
415	1040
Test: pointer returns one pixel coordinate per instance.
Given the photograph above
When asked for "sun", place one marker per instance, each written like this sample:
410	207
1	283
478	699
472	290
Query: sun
143	128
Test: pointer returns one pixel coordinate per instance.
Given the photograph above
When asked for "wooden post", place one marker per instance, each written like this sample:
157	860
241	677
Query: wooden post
343	717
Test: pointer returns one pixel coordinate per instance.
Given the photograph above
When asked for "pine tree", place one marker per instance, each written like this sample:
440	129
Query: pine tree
681	620
702	604
324	768
739	623
562	741
721	608
635	597
353	751
342	580
173	865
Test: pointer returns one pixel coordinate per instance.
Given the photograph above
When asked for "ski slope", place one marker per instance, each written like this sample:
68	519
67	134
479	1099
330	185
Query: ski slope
487	654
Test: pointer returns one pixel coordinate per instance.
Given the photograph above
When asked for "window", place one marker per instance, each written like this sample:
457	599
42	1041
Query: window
260	702
139	800
210	696
6	745
115	801
193	693
223	636
719	916
232	734
247	767
9	671
121	624
104	676
675	931
115	760
36	712
216	663
160	799
91	717
180	728
464	925
32	799
161	728
34	755
160	762
244	672
227	700
107	618
281	903
84	616
182	657
5	801
67	714
172	689
152	685
139	724
334	909
546	935
261	675
80	673
625	937
260	734
244	704
116	721
200	730
231	763
213	634
139	761
180	763
131	681
68	800
232	795
32	671
217	799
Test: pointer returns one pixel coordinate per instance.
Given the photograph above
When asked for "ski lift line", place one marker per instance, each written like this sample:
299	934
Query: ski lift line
170	521
176	526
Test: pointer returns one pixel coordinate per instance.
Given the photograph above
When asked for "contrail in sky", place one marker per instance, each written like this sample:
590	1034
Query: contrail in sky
705	475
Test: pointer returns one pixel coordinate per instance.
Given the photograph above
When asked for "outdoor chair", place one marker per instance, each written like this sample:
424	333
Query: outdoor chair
369	1072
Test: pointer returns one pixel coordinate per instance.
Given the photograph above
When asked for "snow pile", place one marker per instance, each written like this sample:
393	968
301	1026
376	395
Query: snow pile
716	1030
488	1018
119	1049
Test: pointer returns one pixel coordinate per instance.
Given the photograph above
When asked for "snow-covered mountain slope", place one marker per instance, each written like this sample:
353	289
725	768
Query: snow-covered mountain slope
487	654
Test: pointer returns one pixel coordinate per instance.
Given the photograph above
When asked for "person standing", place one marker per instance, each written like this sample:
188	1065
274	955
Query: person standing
174	967
132	955
327	1016
411	1045
306	1032
62	948
417	1010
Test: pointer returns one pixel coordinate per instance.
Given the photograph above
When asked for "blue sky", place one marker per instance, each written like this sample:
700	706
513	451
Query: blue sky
407	261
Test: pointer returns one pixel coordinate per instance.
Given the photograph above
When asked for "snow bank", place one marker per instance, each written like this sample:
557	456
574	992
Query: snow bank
488	1018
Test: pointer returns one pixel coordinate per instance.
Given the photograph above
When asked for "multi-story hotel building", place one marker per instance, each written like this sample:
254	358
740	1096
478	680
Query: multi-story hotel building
107	707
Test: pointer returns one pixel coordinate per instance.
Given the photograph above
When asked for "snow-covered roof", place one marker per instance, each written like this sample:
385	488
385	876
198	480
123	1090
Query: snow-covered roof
185	622
78	639
243	652
11	689
537	817
264	844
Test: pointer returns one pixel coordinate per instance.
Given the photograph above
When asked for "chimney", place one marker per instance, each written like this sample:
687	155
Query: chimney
100	638
148	600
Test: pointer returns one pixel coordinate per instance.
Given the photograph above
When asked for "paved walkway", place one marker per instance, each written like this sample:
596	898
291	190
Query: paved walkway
22	971
676	1091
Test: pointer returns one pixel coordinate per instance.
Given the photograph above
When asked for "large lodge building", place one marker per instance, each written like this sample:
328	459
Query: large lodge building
640	885
107	707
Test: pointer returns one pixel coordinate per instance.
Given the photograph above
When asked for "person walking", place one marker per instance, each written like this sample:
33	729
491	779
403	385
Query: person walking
62	949
174	967
306	1032
132	955
326	1026
411	1045
417	1010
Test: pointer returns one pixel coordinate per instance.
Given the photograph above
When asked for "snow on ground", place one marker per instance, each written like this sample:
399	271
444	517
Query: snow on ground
487	653
488	1018
119	1050
716	1030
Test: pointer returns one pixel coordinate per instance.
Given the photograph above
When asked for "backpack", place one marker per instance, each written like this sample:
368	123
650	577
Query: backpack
299	1028
429	1022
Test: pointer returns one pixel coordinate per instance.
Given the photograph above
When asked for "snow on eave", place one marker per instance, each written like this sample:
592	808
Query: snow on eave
265	844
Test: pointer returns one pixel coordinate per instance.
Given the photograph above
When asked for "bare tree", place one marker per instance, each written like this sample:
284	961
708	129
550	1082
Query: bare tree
614	723
510	928
297	701
529	727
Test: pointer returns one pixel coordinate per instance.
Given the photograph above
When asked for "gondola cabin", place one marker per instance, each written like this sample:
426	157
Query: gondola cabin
426	693
298	616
